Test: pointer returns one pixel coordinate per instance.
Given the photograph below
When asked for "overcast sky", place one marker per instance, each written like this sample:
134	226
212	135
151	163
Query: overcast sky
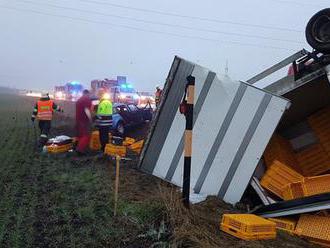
48	42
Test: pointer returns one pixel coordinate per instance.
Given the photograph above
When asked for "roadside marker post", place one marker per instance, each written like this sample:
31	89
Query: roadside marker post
118	158
187	108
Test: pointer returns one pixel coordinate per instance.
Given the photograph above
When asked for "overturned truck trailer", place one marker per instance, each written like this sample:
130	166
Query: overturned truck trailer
233	122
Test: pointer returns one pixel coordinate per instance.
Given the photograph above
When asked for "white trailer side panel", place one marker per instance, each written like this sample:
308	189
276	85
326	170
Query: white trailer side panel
233	122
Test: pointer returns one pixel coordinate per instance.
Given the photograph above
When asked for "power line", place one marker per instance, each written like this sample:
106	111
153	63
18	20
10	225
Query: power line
297	3
163	24
108	24
193	17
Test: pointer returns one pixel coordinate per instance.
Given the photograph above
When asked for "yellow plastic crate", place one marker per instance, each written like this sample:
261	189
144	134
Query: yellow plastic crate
293	191
128	141
272	185
316	185
94	143
285	172
281	150
59	148
313	160
314	228
114	150
137	146
307	187
248	226
284	224
278	176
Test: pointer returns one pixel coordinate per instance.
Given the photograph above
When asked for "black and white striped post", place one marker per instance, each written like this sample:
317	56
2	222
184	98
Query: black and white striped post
188	111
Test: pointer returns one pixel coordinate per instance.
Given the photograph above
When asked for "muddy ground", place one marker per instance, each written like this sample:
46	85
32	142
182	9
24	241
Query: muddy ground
62	201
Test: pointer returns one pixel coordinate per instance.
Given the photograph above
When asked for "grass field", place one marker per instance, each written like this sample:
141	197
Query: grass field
59	201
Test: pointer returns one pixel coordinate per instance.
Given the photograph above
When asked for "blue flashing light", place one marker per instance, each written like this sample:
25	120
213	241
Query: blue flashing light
123	86
74	83
129	86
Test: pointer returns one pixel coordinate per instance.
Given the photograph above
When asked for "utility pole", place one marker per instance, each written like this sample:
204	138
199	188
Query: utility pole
226	68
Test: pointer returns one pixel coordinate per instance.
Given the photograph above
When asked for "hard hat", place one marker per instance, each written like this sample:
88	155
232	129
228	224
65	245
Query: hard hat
157	87
44	95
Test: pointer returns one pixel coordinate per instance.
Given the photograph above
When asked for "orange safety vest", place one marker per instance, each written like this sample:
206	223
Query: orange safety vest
45	110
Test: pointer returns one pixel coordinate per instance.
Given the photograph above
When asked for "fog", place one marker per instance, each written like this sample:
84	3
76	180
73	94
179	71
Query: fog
45	43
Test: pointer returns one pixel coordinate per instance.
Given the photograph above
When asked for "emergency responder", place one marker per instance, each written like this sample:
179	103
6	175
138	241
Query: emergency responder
158	95
103	119
83	122
43	111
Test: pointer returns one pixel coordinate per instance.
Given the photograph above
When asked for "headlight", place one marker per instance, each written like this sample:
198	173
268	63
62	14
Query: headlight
122	96
143	97
106	96
59	94
136	97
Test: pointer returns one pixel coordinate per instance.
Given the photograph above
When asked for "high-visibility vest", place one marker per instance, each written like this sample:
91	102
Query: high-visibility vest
104	113
45	110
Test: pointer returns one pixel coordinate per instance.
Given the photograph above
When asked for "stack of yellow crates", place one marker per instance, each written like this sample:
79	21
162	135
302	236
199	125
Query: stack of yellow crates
278	176
311	168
